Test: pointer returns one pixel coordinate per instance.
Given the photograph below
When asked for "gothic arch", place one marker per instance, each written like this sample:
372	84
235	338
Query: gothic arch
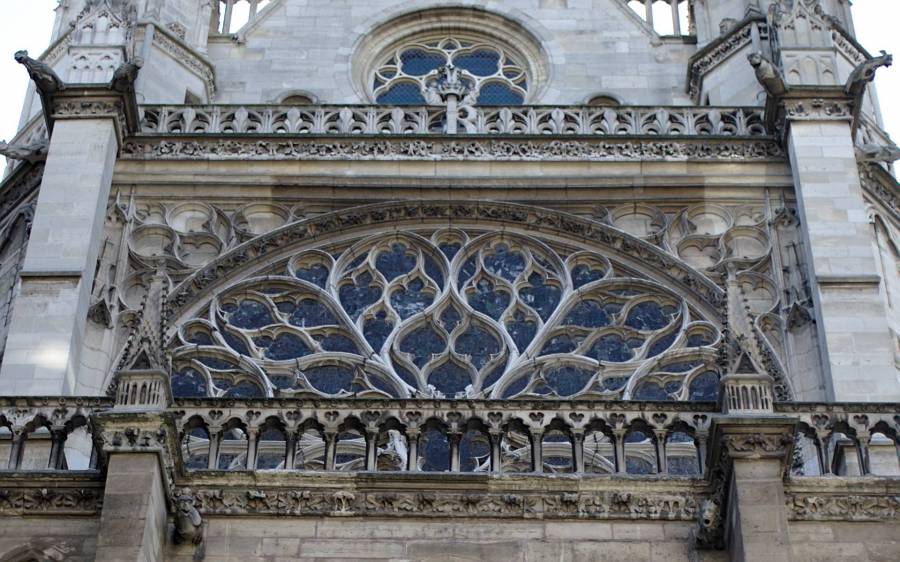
446	299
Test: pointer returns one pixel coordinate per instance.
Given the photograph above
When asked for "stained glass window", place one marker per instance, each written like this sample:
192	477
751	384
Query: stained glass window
490	74
445	314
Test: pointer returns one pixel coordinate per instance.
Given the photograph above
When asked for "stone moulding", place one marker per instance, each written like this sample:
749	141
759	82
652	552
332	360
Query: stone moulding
532	502
146	147
62	494
393	214
830	499
720	50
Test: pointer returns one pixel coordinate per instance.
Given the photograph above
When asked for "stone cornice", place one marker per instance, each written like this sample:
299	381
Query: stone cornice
95	101
869	498
519	149
68	493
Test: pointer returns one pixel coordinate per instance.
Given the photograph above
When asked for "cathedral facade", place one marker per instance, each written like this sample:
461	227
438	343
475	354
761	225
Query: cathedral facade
445	281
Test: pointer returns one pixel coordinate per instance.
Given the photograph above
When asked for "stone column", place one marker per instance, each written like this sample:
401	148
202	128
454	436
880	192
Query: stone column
756	523
133	520
857	350
49	316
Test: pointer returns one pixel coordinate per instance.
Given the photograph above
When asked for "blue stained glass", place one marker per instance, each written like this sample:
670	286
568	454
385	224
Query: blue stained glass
582	274
516	387
309	313
635	465
662	344
647	316
563	343
650	391
188	383
357	297
316	274
434	271
356	262
330	379
497	93
494	375
672	387
243	389
283	382
698	340
284	346
480	63
251	315
610	348
337	342
466	271
474	451
435	450
680	367
522	330
383	385
411	299
542	298
486	300
395	263
235	342
479	344
285	307
587	314
450	378
406	376
417	62
566	381
682	466
402	93
215	362
450	249
704	387
505	263
199	338
614	383
376	330
422	343
612	308
636	437
450	318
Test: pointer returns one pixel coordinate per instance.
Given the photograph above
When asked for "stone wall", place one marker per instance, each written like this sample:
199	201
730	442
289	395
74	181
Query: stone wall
48	538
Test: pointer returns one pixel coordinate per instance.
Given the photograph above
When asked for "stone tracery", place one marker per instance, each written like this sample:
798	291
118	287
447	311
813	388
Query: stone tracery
447	313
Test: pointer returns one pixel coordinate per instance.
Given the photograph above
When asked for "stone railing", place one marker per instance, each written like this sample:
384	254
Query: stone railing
437	120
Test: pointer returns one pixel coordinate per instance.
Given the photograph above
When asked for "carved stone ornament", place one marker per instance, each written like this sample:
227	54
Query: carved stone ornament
757	445
818	109
18	501
853	507
675	506
537	150
188	523
34	152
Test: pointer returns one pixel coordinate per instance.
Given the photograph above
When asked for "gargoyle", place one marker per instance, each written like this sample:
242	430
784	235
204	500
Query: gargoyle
767	75
124	77
188	523
865	73
33	152
880	153
46	81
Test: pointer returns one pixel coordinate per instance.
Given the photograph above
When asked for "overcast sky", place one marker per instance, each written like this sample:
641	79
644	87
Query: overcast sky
26	24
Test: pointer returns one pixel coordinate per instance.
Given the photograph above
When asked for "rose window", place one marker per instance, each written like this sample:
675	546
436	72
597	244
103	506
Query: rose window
481	73
447	314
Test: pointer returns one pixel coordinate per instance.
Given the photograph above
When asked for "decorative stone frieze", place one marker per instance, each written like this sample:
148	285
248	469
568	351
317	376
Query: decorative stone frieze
18	500
96	102
843	507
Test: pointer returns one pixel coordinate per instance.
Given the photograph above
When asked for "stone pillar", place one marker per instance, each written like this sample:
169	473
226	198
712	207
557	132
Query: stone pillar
49	316
133	520
857	350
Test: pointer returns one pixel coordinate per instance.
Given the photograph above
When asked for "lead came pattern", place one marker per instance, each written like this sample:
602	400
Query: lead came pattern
450	315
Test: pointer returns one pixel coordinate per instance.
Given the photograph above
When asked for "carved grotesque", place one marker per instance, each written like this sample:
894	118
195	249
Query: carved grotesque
34	152
188	523
124	77
709	531
44	78
880	153
768	76
865	73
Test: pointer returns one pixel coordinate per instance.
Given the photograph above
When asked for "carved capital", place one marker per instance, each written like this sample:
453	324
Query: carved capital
95	102
754	437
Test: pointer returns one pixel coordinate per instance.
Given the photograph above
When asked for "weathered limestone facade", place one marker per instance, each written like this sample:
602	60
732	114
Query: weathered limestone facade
525	280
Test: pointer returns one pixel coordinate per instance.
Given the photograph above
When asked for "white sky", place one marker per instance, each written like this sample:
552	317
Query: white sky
26	24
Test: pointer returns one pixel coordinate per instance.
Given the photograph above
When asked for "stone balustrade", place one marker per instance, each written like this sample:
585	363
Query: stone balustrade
467	120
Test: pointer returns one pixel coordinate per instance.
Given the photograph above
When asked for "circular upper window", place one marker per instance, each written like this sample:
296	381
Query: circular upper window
416	72
426	57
